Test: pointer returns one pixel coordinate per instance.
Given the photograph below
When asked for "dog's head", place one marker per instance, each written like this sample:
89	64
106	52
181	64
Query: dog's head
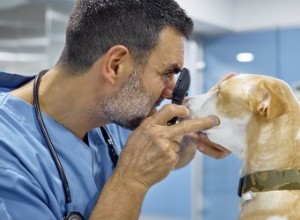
238	101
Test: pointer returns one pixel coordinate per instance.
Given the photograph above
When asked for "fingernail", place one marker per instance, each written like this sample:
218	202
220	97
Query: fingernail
214	121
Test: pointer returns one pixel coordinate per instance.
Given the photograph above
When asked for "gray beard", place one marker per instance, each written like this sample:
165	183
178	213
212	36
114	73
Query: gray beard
129	106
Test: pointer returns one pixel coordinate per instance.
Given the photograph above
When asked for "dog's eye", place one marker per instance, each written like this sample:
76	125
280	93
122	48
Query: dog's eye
219	91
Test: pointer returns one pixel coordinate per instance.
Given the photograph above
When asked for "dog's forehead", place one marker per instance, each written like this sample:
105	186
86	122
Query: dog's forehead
241	82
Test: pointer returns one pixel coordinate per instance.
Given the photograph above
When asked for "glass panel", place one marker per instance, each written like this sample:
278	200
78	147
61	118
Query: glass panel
31	34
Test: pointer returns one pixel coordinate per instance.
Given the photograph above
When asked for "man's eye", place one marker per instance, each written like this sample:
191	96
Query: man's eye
169	75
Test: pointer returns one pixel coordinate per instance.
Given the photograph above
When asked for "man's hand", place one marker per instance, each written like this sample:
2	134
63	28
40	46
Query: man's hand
151	152
152	149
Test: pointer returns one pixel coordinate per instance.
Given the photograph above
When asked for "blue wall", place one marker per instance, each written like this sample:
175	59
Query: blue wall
277	53
220	55
171	198
289	55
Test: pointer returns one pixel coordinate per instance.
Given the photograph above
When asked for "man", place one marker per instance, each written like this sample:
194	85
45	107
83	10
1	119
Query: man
117	65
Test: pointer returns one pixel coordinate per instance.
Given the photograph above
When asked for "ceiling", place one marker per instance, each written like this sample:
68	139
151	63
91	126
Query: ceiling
210	16
221	16
33	29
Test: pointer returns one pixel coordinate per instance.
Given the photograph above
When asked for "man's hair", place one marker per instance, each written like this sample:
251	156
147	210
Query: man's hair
97	25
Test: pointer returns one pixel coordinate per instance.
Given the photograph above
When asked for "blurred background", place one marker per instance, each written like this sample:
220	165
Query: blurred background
243	36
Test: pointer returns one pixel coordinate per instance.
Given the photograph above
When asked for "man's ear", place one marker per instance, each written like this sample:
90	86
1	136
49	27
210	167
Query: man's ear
114	62
269	100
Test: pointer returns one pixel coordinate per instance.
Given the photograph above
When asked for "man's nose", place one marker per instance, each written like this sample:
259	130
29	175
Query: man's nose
168	90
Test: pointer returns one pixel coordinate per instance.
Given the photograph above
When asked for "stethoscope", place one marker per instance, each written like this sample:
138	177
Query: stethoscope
69	215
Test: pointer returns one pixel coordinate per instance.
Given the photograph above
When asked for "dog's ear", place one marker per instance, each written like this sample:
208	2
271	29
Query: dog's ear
268	99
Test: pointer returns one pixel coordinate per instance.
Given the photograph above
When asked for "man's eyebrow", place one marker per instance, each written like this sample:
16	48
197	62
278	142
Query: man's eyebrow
174	67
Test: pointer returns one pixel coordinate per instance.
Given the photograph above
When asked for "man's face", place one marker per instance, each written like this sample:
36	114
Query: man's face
146	88
165	60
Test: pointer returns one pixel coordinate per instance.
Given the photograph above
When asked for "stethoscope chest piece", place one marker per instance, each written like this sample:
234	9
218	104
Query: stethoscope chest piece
73	216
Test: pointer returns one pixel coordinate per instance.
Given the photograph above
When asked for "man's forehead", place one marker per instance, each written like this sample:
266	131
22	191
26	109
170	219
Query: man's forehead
168	54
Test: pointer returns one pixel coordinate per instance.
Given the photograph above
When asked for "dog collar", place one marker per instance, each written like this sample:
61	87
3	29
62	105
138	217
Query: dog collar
269	181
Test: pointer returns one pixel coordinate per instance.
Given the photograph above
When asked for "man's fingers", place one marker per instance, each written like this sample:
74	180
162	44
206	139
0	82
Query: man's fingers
191	126
167	112
174	145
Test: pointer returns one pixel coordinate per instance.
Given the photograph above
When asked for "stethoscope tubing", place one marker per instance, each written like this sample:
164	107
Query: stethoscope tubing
114	156
47	138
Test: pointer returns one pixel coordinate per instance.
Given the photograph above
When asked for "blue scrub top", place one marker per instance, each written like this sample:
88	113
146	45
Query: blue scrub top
30	186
